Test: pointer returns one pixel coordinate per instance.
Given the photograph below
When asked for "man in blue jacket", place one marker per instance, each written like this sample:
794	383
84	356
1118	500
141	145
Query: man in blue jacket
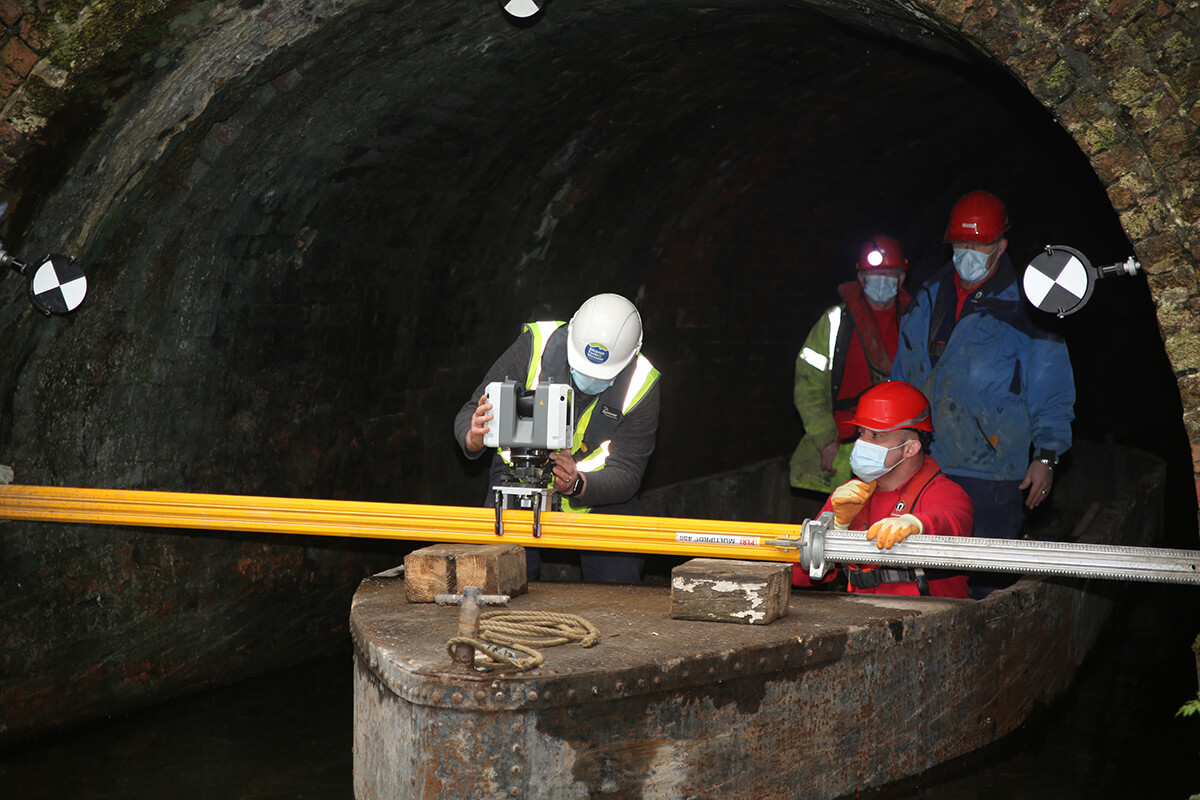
1002	389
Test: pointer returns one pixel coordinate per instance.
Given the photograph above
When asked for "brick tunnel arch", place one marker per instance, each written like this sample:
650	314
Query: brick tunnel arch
310	227
1117	81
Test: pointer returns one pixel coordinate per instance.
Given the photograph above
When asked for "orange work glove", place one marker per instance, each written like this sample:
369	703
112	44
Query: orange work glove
848	499
892	530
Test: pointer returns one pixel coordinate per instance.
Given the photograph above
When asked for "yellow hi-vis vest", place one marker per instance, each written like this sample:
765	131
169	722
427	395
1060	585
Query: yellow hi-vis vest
640	379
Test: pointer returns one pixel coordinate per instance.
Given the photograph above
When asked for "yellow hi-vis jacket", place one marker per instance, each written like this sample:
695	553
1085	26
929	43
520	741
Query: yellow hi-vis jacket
595	423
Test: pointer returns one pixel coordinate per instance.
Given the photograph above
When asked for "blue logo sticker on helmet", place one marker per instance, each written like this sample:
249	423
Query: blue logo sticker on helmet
596	353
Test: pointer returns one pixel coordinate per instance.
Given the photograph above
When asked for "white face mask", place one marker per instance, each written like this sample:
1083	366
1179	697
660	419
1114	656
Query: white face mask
880	288
971	265
867	459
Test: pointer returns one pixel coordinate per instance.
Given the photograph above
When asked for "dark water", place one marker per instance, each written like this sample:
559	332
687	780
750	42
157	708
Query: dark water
289	736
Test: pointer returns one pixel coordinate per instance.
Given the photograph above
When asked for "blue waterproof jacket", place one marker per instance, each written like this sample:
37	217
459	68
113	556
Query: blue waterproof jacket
1000	384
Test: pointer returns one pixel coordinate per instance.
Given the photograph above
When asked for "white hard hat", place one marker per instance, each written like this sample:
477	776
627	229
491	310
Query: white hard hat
604	335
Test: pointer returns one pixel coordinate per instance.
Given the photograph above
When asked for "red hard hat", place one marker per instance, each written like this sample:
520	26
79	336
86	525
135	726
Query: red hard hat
882	252
892	405
978	217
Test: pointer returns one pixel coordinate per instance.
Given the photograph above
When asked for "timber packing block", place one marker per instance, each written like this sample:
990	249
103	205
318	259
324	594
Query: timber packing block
448	568
721	590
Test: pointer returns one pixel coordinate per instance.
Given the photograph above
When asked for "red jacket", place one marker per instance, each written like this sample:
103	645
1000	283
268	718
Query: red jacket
944	510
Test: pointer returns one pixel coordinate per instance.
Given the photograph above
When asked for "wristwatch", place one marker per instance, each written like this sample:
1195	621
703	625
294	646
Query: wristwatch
1048	457
576	487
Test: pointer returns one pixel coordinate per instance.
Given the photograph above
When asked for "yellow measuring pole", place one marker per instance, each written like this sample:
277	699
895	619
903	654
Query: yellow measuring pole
409	522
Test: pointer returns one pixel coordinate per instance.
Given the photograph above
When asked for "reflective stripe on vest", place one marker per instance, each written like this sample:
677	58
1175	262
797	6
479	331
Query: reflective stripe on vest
541	334
642	379
644	376
822	361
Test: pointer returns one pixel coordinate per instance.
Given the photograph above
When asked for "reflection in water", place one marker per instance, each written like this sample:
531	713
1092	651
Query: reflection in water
1115	735
284	736
289	735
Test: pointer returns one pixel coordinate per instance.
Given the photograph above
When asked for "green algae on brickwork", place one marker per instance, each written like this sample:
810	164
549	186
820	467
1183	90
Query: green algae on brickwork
88	37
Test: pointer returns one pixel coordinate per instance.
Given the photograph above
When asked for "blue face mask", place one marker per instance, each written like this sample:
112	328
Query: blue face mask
971	265
867	460
880	288
588	385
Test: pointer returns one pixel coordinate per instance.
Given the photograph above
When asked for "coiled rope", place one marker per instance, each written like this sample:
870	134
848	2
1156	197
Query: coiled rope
503	635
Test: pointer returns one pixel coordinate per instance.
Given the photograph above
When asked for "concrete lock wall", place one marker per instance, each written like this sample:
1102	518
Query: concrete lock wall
310	226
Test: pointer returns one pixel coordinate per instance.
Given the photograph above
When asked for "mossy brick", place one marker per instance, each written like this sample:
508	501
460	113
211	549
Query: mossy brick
18	57
1161	282
1178	50
1099	108
1124	154
1118	54
1071	120
1188	210
1172	140
1034	61
1061	15
1158	252
953	11
9	81
1183	350
1151	29
1056	83
1126	12
1189	391
1127	191
1000	36
1138	224
11	12
1156	108
32	34
1130	86
1084	35
1184	81
1173	310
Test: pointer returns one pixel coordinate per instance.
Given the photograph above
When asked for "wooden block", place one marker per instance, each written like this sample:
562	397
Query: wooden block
494	568
720	590
429	572
447	568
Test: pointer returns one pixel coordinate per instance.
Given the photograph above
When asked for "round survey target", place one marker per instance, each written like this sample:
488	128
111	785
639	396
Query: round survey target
1059	280
58	285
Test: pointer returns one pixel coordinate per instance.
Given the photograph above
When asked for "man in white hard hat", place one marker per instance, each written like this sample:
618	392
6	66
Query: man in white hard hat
616	415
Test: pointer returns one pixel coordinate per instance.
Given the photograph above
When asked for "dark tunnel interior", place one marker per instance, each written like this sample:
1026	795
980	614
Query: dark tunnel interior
303	279
317	271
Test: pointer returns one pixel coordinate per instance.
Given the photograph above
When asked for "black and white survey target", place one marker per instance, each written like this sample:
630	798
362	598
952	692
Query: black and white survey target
1059	280
58	285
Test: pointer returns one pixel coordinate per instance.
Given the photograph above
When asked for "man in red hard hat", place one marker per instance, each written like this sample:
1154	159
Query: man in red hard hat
899	491
1001	386
848	351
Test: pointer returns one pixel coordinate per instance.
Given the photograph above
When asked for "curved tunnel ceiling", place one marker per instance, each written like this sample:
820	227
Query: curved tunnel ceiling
317	271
